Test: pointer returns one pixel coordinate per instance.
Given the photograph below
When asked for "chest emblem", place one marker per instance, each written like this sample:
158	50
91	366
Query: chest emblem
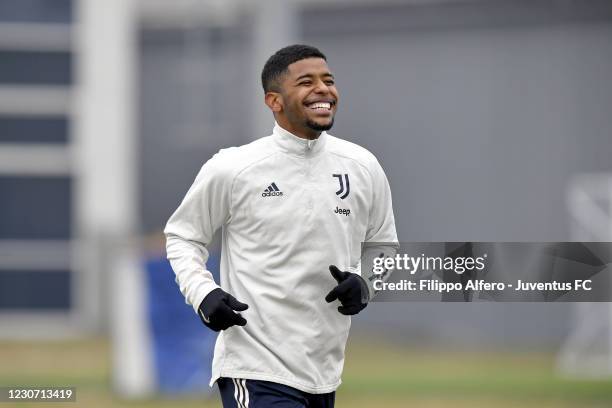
345	187
272	191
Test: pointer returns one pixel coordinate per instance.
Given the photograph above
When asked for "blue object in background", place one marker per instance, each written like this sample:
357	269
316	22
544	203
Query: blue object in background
182	346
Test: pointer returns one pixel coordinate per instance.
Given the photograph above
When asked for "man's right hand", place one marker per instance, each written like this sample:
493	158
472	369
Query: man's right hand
217	310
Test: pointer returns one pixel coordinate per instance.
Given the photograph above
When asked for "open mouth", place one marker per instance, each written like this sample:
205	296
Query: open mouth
321	106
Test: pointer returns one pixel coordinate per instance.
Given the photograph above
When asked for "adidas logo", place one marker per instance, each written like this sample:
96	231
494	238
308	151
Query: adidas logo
272	191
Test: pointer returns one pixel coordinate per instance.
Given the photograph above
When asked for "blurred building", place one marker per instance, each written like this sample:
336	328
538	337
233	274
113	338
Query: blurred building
36	176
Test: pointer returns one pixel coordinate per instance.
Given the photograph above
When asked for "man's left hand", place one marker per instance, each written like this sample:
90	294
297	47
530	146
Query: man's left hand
352	291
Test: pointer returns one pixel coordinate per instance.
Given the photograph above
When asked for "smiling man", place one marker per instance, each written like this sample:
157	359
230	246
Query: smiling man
294	208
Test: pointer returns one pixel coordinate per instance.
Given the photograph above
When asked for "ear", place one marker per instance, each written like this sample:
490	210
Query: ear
274	100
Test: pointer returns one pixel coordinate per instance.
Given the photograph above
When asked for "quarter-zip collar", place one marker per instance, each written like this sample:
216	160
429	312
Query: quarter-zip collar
293	144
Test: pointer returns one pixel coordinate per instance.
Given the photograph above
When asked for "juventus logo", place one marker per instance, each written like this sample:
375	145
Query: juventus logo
345	187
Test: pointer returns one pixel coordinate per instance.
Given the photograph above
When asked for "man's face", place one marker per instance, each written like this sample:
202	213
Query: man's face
309	96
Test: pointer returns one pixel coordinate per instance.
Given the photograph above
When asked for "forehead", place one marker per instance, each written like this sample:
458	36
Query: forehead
308	66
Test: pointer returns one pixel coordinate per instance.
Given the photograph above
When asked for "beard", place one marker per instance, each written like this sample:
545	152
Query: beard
317	127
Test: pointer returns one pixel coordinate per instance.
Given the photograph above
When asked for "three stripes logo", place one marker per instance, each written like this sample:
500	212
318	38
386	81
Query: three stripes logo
272	191
241	392
345	187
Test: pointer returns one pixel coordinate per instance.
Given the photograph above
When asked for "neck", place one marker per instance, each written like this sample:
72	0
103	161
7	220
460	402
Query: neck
301	132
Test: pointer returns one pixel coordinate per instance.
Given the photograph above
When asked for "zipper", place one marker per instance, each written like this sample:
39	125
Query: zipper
309	144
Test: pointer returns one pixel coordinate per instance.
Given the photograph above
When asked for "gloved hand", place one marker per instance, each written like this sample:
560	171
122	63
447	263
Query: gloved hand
217	310
352	291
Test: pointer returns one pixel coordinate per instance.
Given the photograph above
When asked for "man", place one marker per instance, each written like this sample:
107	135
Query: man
290	205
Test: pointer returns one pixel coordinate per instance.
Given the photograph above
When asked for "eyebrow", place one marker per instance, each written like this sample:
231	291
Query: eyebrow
327	74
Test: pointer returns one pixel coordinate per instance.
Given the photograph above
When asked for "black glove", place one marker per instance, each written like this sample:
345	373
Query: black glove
217	310
352	291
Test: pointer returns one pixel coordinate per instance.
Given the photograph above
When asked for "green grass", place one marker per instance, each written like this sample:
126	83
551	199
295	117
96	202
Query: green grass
375	375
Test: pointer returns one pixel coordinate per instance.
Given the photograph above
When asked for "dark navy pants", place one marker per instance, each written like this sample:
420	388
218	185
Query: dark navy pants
238	393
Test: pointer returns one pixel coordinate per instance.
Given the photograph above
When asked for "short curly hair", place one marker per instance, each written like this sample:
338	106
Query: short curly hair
277	64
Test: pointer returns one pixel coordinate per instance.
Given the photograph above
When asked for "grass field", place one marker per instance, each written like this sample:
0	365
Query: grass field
375	376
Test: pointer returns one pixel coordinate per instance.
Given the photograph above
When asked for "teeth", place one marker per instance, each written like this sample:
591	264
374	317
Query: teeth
320	105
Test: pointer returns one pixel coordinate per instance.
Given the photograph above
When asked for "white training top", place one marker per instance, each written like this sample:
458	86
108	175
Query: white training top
289	208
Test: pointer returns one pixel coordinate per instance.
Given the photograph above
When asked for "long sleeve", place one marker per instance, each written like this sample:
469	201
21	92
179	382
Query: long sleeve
205	208
381	236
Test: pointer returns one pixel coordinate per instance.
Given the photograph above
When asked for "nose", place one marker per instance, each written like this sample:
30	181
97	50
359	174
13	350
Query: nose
321	88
